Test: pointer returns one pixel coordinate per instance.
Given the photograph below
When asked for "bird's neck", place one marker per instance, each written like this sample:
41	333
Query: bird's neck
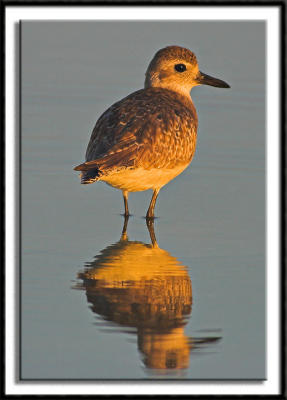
185	99
182	93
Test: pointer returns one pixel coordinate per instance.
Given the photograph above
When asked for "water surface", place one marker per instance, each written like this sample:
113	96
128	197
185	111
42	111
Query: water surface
97	304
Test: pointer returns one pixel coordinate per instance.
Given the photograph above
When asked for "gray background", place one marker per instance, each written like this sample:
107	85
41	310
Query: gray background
211	217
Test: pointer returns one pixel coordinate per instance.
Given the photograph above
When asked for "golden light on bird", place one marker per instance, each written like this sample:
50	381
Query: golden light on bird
148	138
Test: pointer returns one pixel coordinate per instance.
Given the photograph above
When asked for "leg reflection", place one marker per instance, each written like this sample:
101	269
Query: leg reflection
150	227
124	235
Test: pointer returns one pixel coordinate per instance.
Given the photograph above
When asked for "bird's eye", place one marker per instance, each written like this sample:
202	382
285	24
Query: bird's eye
180	67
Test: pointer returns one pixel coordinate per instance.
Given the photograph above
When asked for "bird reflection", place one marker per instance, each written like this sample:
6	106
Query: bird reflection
143	288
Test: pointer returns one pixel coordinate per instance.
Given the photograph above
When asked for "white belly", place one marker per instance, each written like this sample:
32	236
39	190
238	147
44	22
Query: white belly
135	180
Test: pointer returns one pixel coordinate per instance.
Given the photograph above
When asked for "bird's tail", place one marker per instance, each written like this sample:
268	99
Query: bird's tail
93	170
88	175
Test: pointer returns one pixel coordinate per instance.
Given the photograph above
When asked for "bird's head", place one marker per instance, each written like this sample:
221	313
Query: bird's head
176	68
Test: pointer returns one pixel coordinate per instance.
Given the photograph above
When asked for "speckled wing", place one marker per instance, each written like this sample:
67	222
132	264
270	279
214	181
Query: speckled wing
150	128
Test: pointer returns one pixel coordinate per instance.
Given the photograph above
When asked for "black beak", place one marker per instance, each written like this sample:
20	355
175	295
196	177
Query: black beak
204	79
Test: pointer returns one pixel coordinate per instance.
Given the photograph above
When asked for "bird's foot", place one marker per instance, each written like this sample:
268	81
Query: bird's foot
150	218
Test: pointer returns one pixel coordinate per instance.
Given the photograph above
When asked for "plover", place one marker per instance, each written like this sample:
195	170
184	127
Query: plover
148	138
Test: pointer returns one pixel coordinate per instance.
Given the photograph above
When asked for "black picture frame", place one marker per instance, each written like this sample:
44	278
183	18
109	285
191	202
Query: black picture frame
68	3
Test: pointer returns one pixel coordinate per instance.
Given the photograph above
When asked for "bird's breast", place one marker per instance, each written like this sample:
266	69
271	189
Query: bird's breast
139	179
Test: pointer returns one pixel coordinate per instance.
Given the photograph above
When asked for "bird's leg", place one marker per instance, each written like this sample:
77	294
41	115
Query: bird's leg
150	211
126	195
124	231
150	227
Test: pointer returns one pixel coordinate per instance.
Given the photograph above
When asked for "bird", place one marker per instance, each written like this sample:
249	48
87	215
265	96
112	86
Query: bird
148	138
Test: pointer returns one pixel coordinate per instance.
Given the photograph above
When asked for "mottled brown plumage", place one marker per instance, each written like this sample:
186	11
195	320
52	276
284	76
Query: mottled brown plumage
135	132
149	137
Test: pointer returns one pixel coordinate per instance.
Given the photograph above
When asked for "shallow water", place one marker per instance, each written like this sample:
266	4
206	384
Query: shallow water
99	305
